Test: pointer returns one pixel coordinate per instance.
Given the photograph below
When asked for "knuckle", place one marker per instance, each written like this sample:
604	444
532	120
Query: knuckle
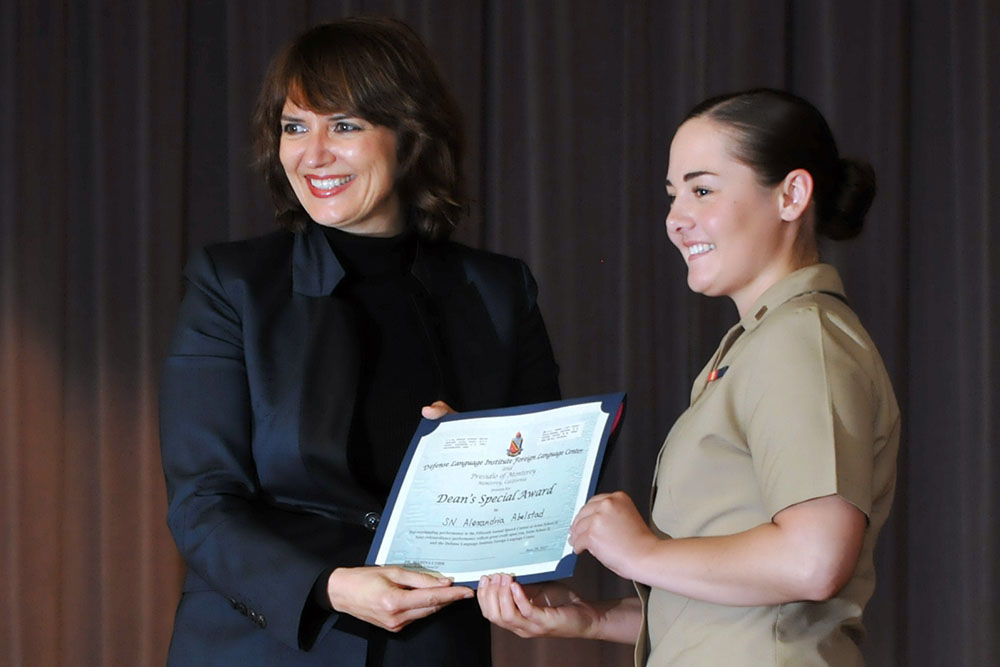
387	604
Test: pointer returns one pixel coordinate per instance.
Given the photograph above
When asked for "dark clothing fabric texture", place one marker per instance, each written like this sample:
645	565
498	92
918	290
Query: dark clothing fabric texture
264	418
398	373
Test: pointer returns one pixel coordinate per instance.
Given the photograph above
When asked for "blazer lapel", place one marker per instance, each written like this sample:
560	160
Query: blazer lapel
464	330
330	366
316	271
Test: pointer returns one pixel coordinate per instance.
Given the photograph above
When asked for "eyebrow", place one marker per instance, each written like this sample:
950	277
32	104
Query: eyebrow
694	174
336	116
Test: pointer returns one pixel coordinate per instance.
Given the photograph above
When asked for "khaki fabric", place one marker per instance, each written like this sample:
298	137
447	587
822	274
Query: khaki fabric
800	407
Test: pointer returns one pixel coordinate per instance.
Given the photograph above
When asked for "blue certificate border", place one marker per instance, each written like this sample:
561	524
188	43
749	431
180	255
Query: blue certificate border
613	404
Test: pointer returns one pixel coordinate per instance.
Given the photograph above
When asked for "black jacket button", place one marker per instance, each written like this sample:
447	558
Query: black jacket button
372	520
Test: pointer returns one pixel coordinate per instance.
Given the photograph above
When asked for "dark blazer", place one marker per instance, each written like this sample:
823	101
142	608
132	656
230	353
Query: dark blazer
256	404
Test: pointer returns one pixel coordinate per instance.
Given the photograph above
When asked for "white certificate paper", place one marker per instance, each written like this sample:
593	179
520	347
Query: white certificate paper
497	490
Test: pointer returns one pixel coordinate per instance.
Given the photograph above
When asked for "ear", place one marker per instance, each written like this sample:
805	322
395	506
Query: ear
796	194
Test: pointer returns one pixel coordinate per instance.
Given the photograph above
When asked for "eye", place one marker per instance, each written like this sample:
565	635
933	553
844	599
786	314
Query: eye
342	126
292	128
670	200
700	191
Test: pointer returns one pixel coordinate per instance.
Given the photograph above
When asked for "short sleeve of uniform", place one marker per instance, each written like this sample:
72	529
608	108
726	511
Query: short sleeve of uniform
810	408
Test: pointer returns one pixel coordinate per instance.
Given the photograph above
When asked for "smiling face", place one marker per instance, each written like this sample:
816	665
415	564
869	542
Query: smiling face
727	226
342	169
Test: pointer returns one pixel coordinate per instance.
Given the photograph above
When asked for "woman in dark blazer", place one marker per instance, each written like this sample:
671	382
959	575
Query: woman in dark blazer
302	359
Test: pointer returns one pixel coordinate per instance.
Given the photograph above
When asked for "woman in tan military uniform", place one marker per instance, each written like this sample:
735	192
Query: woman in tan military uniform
771	488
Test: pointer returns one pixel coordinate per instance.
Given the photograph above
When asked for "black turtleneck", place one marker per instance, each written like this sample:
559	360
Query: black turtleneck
398	369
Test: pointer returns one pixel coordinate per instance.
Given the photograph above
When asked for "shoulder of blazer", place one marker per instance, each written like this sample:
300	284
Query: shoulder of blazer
445	266
485	259
245	258
227	273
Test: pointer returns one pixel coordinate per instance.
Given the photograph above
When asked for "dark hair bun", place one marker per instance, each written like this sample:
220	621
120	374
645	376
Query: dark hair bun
850	200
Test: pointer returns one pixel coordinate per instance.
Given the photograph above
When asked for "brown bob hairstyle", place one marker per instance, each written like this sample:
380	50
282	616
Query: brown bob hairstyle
377	69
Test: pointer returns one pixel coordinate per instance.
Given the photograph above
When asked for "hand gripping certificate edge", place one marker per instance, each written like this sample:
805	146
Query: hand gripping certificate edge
611	404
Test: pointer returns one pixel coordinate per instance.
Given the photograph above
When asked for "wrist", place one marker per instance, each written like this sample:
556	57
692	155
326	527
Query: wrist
335	587
594	623
645	559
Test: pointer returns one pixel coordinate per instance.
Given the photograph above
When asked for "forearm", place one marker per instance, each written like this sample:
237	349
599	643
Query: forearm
746	569
807	553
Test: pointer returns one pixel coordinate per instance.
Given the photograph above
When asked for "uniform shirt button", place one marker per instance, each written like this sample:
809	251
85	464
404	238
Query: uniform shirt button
371	520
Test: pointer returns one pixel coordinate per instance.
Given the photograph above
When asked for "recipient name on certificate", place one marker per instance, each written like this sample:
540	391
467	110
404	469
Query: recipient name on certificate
497	490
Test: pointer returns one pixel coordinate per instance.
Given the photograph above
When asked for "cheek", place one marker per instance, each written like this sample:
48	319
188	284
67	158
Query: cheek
385	175
287	157
366	158
386	150
386	161
715	225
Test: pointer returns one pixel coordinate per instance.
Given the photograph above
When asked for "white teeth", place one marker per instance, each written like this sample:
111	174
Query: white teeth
329	183
700	249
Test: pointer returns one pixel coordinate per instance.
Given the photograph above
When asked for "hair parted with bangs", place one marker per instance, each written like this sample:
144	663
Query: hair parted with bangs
378	69
776	132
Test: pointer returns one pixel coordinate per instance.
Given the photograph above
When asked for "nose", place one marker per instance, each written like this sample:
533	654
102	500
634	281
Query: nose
319	152
678	220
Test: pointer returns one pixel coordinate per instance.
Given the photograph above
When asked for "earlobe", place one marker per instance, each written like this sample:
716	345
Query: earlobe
796	194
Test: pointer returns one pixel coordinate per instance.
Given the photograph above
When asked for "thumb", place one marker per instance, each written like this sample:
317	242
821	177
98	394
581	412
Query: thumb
436	410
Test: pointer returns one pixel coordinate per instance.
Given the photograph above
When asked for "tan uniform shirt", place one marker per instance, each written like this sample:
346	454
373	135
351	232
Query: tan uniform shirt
796	404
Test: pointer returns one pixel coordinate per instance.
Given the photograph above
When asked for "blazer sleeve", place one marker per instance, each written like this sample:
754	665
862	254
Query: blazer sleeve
243	548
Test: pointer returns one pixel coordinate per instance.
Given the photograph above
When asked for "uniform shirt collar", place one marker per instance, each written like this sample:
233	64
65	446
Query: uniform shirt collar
813	278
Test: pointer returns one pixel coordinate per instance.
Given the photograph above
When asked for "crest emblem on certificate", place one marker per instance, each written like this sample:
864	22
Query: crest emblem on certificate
515	445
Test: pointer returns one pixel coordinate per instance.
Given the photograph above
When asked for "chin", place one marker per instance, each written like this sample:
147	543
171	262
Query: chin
695	285
328	220
703	289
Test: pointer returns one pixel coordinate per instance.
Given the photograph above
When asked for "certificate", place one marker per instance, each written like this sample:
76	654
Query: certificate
496	490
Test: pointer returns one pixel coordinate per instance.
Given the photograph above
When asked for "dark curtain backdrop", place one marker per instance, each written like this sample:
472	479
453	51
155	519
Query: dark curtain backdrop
123	146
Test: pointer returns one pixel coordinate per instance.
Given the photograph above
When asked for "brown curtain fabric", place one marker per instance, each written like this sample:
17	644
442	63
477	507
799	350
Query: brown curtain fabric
123	146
